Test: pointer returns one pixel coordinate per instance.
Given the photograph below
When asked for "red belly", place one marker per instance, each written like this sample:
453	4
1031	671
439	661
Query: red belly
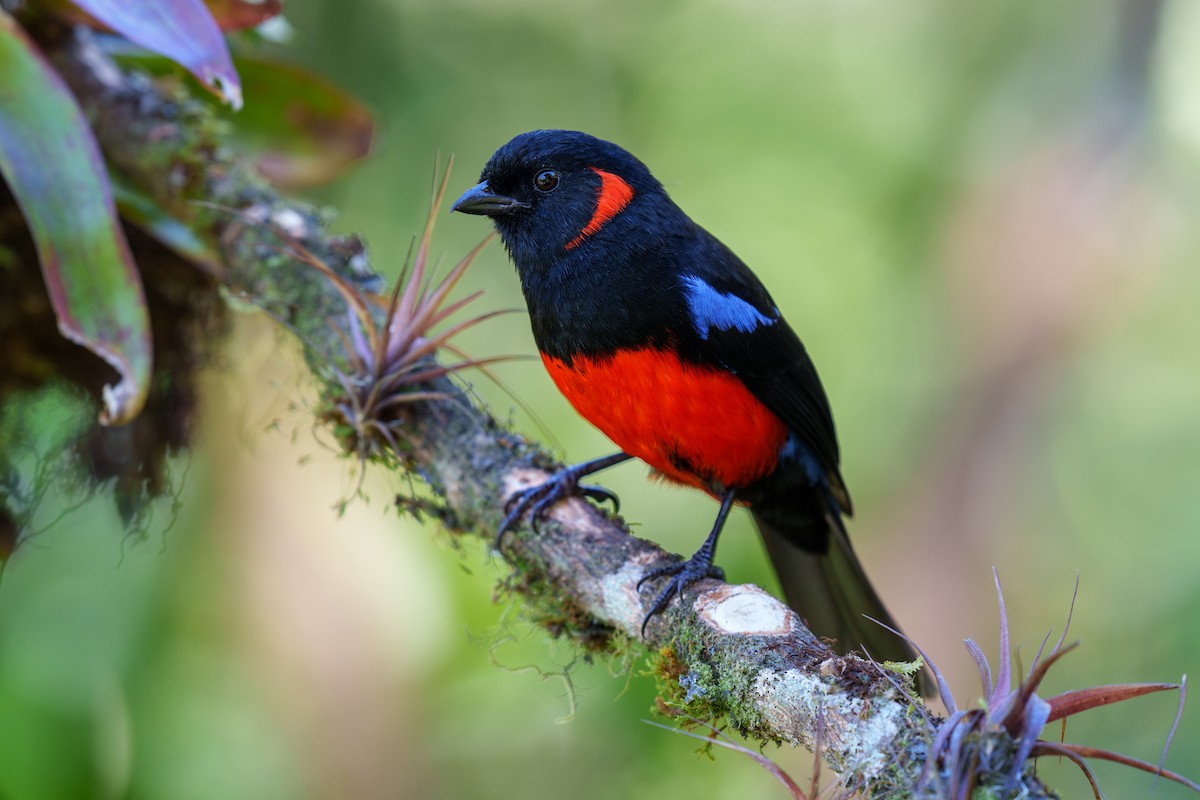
693	424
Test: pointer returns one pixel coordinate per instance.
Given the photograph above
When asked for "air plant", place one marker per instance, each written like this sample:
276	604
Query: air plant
992	745
390	344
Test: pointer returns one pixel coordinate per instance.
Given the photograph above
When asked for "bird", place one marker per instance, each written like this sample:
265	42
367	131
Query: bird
661	337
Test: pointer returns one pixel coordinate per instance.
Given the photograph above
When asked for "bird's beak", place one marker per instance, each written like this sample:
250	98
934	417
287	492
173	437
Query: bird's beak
480	199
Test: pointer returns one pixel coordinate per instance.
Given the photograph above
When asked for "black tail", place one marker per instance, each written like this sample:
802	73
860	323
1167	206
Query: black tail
829	589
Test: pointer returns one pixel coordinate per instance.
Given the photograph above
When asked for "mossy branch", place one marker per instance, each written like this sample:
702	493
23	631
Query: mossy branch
729	651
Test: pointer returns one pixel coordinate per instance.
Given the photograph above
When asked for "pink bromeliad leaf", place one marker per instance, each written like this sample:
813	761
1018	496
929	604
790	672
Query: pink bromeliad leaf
182	30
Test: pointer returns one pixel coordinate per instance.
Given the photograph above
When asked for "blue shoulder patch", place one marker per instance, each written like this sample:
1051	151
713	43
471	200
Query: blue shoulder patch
712	309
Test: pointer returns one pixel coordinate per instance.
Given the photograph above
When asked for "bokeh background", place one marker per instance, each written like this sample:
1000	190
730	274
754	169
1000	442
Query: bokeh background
979	216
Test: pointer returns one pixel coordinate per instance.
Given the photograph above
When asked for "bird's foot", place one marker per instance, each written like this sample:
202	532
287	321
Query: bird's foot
536	500
683	574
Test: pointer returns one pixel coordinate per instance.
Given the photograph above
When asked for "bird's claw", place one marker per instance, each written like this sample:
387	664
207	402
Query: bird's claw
600	495
537	500
684	574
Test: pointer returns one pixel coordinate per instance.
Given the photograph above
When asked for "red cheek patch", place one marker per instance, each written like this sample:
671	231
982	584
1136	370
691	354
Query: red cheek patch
613	196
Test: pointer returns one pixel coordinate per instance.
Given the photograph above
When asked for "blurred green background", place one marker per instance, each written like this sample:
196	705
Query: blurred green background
978	216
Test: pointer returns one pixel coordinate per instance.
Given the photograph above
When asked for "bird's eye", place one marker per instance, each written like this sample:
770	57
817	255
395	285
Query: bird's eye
546	180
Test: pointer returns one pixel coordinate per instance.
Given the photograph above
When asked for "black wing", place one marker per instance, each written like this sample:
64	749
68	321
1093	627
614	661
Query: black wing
737	327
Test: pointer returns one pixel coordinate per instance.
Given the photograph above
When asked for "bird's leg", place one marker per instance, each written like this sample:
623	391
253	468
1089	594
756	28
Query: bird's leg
685	573
562	484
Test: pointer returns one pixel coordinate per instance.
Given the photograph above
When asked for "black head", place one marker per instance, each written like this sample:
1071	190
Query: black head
549	192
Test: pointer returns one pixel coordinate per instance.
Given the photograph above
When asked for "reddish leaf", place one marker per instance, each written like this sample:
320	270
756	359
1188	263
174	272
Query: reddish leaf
1050	749
301	129
53	166
1084	751
182	30
1073	702
1021	698
236	15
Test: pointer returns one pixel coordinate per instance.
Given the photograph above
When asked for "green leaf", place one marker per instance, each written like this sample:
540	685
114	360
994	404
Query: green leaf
138	207
182	30
53	166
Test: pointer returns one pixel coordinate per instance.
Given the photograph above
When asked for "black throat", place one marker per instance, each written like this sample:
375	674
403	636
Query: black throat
615	290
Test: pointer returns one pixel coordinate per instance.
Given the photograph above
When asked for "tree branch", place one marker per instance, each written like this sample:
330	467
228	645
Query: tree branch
730	651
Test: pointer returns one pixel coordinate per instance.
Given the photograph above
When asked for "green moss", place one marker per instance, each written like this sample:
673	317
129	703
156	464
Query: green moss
720	680
682	691
549	608
708	684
